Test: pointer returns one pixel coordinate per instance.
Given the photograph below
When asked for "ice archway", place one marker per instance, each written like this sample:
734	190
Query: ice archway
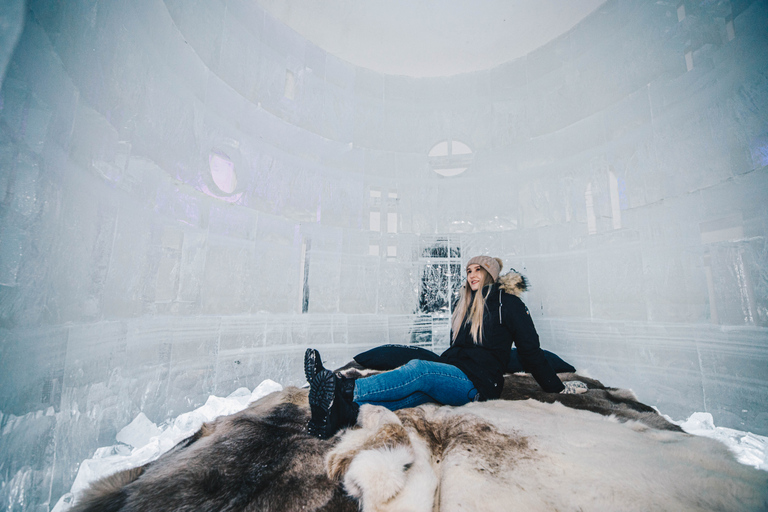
190	194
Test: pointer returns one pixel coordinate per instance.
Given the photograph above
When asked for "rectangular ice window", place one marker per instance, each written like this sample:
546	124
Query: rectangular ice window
375	224
689	60
681	12
729	30
391	251
392	195
373	250
392	223
375	193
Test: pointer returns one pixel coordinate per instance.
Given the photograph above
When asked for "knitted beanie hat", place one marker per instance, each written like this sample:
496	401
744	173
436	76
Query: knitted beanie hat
491	265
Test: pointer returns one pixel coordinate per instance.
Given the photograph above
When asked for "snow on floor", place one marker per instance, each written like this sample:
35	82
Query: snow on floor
142	441
750	449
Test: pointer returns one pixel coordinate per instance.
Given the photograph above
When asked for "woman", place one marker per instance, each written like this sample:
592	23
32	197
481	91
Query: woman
487	319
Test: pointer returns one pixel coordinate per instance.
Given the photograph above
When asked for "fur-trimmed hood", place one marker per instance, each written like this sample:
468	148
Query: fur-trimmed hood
513	283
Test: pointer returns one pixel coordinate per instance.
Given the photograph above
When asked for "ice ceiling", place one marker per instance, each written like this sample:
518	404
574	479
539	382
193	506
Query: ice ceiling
191	193
429	38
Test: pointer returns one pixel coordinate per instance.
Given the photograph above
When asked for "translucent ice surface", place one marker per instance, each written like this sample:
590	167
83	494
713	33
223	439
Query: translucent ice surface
191	193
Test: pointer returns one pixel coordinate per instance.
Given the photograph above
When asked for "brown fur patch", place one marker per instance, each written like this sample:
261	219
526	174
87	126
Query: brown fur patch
453	433
388	436
207	429
336	465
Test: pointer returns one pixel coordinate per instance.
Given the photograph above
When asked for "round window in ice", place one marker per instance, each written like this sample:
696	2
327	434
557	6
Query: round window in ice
450	158
222	171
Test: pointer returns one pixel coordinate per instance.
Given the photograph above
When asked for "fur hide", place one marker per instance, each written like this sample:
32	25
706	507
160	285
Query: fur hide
528	455
256	460
498	455
621	404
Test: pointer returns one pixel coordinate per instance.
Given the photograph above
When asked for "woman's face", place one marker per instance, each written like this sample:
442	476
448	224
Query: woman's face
476	276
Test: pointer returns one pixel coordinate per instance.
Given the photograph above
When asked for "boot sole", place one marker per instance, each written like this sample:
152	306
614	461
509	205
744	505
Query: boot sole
312	364
321	397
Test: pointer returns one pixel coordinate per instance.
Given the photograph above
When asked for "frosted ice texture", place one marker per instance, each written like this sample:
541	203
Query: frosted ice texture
621	168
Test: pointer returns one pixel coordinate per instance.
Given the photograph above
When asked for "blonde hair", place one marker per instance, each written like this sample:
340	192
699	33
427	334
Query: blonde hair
475	307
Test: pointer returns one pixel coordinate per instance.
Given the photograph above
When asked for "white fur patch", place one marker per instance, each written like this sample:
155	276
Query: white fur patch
376	476
389	478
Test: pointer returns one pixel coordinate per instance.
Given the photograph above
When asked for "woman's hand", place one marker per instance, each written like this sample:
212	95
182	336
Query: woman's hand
574	387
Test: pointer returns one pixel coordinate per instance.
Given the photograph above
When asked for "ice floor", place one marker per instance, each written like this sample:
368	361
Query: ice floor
142	441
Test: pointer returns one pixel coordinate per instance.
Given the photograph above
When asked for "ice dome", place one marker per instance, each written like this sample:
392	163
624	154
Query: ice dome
192	193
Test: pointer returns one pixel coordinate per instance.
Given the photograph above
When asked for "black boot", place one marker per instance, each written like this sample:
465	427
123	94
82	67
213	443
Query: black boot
346	387
321	401
312	364
331	405
350	411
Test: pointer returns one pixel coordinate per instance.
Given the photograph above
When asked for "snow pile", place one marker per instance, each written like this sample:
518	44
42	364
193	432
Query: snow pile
138	432
750	449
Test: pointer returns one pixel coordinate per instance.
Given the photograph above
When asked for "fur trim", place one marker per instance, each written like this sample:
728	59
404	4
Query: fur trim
513	283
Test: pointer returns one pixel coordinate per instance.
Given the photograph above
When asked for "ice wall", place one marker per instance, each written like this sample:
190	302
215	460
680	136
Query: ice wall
191	194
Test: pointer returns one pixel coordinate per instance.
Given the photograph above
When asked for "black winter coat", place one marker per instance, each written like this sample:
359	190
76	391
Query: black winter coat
506	320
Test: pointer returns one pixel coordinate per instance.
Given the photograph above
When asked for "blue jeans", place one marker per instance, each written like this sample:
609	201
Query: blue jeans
416	382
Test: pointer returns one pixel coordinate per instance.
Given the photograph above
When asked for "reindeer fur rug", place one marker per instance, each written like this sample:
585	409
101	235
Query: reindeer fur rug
516	454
